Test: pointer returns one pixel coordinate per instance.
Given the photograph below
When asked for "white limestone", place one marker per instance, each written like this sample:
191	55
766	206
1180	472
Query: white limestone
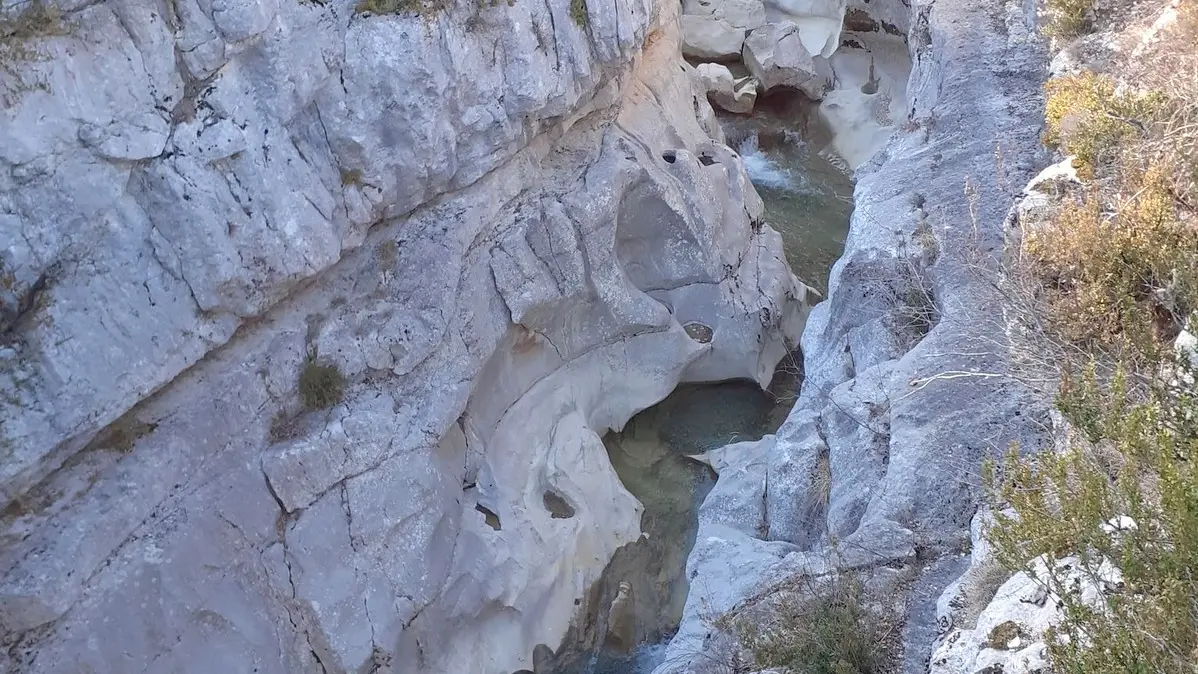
724	90
716	30
493	221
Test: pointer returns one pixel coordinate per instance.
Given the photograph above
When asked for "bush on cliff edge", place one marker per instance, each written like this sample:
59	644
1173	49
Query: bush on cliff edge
1116	276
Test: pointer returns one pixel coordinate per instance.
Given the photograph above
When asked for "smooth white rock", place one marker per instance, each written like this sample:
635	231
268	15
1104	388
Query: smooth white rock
724	90
777	58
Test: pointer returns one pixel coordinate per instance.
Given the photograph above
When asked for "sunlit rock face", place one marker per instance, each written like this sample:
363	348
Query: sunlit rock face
493	221
877	466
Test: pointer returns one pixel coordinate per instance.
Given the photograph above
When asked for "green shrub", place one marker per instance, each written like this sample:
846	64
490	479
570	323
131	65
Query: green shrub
1117	273
379	7
1067	18
1145	467
578	12
1116	269
320	386
830	627
1084	116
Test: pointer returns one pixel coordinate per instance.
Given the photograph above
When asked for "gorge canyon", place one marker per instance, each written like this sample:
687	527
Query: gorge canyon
507	229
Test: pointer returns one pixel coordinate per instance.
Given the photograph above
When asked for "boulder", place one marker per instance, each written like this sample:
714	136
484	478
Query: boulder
819	22
777	58
725	90
716	30
706	38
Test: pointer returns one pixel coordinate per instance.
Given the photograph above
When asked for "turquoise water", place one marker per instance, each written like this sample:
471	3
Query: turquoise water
808	199
652	457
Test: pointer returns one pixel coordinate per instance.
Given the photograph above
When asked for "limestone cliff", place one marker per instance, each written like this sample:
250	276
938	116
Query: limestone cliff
494	221
878	465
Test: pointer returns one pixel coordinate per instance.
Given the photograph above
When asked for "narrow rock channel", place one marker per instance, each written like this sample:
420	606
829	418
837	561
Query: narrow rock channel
623	624
808	193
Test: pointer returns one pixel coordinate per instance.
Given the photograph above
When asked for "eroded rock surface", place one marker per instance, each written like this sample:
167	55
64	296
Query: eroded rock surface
716	30
493	221
851	57
724	90
878	464
777	58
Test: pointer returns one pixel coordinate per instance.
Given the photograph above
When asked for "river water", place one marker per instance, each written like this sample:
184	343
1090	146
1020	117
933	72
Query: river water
808	197
626	619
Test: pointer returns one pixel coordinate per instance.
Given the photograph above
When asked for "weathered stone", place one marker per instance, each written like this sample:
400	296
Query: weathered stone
905	419
818	22
777	58
1044	194
707	38
716	29
493	223
724	90
996	621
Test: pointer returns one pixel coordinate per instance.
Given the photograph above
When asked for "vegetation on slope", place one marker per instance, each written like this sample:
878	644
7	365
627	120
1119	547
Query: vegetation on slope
23	28
1115	274
833	624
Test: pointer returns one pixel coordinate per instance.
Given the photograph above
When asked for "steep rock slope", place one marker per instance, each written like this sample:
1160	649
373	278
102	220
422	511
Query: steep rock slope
878	465
494	221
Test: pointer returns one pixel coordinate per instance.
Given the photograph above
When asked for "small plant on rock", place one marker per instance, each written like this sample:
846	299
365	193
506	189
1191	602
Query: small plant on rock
22	25
426	8
830	625
321	386
1068	18
284	426
578	12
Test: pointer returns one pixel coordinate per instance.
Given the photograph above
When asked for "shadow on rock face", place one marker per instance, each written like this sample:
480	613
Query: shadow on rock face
638	602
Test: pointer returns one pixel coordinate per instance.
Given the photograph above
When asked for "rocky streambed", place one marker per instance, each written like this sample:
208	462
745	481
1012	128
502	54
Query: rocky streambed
628	617
518	227
638	602
807	189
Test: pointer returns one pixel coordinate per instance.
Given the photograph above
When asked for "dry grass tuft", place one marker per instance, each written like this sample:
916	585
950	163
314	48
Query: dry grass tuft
824	625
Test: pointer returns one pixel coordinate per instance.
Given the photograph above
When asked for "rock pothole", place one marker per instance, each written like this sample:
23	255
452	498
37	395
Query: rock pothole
489	517
557	505
699	332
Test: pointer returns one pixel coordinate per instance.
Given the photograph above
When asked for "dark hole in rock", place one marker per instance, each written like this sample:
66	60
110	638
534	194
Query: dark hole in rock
699	332
489	517
558	507
670	156
859	21
542	655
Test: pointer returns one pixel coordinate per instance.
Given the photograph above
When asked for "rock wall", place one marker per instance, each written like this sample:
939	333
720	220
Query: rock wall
851	58
878	464
495	221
